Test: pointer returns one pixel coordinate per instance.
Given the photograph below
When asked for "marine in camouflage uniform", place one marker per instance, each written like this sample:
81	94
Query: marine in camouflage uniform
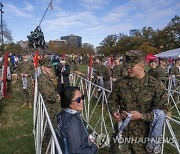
104	73
175	70
118	71
162	71
49	94
47	87
138	94
174	73
153	69
24	70
96	65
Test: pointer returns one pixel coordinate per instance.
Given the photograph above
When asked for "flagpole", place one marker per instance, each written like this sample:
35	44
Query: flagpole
50	3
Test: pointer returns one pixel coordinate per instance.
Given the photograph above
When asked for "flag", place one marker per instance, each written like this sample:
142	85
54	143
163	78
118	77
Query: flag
51	5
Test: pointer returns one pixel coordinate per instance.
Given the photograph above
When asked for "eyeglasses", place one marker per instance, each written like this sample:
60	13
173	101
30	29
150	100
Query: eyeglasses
78	100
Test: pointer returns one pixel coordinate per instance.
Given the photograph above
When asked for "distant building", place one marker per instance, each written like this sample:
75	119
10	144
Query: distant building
23	44
58	43
73	40
133	32
88	46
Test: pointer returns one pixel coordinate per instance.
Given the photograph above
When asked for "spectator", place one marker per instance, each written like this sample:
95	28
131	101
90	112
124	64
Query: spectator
63	76
71	131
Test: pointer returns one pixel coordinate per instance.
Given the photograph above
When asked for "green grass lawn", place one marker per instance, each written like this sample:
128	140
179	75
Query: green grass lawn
83	68
16	125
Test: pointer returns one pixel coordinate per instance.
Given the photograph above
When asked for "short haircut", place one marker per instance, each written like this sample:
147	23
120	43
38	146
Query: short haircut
67	96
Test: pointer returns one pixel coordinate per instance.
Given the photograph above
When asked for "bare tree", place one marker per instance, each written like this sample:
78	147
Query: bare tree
6	34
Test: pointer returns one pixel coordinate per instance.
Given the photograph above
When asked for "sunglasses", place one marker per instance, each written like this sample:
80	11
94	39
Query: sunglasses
78	100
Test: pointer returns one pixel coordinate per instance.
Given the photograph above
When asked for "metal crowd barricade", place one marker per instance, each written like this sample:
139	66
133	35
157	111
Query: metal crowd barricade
169	134
41	123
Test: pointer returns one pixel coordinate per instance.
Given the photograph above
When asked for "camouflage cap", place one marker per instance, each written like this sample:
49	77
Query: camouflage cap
133	57
46	62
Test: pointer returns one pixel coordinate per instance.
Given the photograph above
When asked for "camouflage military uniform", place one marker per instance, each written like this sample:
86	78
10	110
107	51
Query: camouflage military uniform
174	70
118	72
47	89
104	72
155	73
142	95
162	73
26	67
96	66
49	94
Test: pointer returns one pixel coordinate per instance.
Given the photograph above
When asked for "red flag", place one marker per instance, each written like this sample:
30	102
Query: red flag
51	5
90	67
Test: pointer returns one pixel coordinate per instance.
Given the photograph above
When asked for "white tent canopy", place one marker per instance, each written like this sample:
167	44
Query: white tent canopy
174	53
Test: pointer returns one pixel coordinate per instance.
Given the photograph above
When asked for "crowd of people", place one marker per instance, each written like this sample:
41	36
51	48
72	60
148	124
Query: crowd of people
138	99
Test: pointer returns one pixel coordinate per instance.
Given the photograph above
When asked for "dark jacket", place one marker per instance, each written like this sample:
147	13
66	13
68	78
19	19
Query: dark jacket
65	76
72	134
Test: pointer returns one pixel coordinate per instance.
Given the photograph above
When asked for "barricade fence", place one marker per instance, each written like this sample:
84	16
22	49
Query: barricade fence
97	115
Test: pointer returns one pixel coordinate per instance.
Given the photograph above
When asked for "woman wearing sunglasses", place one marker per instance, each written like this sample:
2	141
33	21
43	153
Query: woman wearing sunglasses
71	131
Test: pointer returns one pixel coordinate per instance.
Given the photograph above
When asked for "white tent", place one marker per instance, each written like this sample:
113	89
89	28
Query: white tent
174	53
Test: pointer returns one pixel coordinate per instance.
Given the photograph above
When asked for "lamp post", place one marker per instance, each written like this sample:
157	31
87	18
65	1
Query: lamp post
1	6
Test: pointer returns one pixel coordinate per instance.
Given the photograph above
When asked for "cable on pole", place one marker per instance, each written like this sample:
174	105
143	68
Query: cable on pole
49	5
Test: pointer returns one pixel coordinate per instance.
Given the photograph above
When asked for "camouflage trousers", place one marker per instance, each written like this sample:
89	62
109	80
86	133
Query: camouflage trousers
118	145
128	149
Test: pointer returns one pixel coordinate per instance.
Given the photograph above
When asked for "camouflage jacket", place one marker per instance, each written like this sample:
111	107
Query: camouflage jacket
25	67
46	88
104	71
156	73
174	70
118	71
143	95
161	73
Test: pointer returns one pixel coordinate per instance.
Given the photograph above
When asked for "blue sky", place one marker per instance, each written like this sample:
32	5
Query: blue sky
93	20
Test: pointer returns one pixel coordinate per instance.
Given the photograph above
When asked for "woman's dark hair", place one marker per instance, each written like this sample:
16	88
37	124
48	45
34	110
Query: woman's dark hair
67	96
